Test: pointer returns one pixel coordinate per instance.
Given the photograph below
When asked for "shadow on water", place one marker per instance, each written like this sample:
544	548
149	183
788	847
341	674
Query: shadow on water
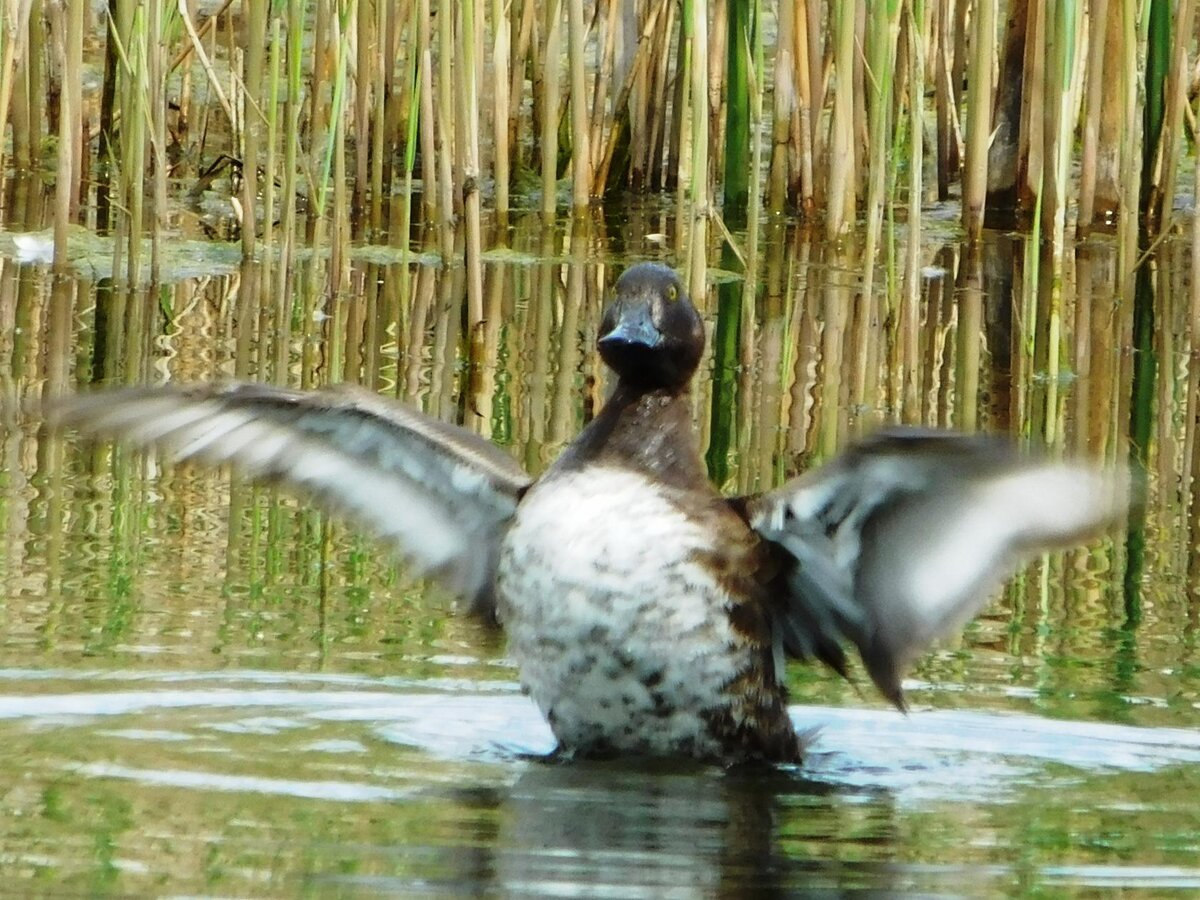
207	688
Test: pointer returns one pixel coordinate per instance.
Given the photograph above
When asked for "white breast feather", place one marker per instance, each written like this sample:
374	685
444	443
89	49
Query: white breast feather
600	590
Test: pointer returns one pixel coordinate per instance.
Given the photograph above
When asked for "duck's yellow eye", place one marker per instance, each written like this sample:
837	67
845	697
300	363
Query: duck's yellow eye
672	293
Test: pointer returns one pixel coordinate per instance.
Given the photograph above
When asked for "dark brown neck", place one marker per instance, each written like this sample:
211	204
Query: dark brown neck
647	431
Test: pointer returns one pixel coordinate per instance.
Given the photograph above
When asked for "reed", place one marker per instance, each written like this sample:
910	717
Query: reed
290	176
979	118
501	107
581	145
1090	150
740	32
907	314
1158	49
254	41
271	110
785	107
69	26
29	121
314	107
883	32
132	111
469	29
839	211
14	39
1167	161
698	190
550	68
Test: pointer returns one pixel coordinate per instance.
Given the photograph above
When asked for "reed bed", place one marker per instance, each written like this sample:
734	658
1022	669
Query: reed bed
1046	115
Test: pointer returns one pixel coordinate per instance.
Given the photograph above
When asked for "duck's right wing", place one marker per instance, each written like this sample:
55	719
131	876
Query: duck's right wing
908	534
440	495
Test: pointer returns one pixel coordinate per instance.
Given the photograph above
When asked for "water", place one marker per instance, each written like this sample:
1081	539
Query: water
206	689
243	782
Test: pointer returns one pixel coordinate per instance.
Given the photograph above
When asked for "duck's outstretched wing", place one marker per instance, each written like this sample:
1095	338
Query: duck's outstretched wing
437	493
905	537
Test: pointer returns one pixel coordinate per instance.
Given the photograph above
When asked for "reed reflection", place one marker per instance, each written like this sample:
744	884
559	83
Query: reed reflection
981	338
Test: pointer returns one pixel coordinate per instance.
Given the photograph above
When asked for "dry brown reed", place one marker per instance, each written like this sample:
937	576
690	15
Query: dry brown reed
498	99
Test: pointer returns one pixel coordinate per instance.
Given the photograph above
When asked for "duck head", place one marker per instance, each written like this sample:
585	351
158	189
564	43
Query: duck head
651	334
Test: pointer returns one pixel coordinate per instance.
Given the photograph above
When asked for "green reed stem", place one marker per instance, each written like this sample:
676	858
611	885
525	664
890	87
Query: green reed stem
737	117
1158	51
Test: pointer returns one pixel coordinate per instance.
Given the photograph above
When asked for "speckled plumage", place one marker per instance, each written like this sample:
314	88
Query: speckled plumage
617	593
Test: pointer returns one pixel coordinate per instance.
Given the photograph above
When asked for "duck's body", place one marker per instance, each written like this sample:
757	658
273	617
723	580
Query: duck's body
647	614
632	595
624	636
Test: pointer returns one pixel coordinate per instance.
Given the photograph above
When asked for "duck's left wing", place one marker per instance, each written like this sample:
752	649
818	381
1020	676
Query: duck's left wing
905	536
440	495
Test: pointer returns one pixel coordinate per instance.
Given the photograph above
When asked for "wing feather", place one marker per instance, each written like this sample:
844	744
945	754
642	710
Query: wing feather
906	536
441	496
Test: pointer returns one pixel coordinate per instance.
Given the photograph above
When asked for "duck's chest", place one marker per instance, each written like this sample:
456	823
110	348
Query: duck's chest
618	609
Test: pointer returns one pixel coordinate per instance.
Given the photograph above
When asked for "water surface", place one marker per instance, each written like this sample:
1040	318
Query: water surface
206	689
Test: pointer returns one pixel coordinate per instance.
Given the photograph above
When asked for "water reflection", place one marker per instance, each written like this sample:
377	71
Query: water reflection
290	710
340	782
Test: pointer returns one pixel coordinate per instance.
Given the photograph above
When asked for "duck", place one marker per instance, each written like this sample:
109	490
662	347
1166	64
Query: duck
649	615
